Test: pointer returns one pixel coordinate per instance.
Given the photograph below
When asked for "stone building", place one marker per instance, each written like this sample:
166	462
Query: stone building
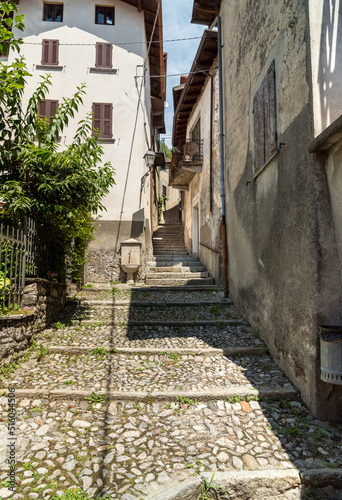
282	65
106	45
195	166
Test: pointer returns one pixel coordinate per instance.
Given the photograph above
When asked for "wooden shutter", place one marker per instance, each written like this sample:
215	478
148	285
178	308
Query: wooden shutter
107	120
97	115
270	113
50	50
47	109
259	129
265	120
103	55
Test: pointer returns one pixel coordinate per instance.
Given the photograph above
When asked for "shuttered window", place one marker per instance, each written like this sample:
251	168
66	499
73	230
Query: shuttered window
47	109
50	50
102	119
104	54
265	121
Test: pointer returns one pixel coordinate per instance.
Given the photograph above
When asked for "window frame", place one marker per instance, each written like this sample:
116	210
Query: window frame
47	5
101	62
102	120
49	43
106	8
48	115
265	121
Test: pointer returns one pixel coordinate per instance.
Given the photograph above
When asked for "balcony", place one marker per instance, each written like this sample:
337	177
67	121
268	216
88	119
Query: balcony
187	161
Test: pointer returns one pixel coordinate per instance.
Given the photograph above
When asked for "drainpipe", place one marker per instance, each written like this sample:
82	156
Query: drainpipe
223	196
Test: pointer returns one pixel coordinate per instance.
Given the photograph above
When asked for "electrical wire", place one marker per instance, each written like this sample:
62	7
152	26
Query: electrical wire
121	43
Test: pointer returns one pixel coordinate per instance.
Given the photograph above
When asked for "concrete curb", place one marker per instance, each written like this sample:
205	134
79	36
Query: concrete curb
168	396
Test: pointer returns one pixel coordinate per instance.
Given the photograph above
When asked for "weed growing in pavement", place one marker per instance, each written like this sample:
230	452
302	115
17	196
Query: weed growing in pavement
27	465
174	356
237	399
101	352
148	400
186	401
319	434
206	487
216	309
311	492
69	382
96	398
293	431
77	494
220	324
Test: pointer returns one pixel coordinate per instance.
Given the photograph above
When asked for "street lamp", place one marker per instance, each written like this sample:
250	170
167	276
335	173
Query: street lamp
149	158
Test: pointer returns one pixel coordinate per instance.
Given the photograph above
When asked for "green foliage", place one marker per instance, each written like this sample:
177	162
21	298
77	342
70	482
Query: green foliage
96	398
42	351
60	188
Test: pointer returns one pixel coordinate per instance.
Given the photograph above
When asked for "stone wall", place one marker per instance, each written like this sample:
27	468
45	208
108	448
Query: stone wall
43	299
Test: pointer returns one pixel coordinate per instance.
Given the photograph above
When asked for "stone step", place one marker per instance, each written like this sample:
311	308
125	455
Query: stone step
173	269
232	395
166	253
179	281
177	275
173	259
163	373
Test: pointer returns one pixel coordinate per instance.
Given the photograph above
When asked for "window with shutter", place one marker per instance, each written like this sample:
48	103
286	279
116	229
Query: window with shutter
265	121
47	109
53	12
104	15
50	51
104	54
102	119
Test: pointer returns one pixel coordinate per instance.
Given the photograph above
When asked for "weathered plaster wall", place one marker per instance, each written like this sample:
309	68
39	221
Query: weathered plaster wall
283	266
326	60
210	249
333	165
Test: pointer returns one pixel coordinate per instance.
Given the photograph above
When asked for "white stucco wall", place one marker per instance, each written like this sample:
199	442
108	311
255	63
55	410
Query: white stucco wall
326	59
128	93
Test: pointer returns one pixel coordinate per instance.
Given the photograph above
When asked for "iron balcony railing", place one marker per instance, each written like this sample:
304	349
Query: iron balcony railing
188	153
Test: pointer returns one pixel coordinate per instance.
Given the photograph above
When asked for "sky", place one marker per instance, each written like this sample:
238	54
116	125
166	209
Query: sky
177	24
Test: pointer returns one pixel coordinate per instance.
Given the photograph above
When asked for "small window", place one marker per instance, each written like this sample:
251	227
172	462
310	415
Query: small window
102	119
104	15
53	12
104	53
50	50
164	191
47	109
265	121
196	132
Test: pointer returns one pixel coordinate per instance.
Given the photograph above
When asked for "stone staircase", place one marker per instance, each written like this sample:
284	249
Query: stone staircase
171	264
149	392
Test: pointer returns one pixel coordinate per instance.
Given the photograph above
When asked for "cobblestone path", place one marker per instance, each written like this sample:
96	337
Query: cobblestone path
140	393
